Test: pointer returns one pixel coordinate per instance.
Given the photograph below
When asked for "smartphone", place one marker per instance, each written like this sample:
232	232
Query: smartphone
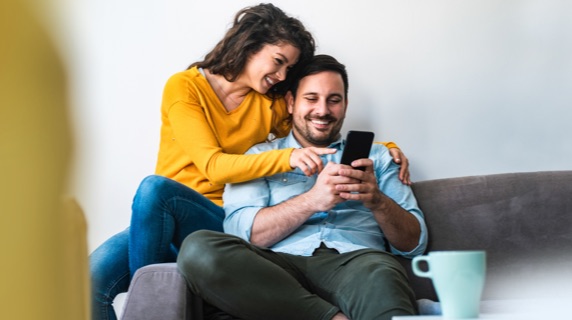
358	146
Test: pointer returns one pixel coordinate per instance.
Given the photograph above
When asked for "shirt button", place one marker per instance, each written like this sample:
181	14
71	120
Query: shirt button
284	180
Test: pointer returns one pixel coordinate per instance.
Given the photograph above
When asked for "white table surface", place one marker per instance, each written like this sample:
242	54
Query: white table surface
525	309
491	316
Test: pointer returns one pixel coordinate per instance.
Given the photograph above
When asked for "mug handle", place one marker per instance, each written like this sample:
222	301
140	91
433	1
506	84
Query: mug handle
415	266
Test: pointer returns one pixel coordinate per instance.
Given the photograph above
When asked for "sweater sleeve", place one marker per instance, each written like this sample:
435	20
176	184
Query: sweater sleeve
194	135
389	145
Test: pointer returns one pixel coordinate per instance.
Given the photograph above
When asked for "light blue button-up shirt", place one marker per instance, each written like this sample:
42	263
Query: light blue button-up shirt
347	227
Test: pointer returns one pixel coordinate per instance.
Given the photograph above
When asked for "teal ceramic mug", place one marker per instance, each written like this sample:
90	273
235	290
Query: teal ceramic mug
458	278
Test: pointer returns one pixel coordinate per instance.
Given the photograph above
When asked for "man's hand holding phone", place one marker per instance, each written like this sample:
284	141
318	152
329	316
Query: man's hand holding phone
366	190
356	151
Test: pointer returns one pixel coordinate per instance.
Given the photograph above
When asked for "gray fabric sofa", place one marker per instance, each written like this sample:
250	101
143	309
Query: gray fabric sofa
522	220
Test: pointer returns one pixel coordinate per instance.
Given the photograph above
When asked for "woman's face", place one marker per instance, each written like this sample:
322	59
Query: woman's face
269	66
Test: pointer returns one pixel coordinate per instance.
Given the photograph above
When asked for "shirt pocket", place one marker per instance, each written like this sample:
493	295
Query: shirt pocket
287	185
287	179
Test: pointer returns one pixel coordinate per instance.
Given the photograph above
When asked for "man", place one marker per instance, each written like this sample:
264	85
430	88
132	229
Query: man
312	247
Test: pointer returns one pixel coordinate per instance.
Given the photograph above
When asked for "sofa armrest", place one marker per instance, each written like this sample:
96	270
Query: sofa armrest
159	291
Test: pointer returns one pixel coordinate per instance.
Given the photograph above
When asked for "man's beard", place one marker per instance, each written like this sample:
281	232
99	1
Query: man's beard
320	138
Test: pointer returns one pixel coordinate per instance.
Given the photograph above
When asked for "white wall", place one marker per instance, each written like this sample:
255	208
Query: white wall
464	87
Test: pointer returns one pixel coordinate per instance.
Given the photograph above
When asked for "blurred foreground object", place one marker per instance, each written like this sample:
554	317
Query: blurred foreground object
42	236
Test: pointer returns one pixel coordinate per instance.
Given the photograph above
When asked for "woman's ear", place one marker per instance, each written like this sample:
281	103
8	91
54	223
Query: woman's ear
289	97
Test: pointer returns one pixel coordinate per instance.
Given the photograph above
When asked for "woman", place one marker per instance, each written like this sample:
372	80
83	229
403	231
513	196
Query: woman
211	114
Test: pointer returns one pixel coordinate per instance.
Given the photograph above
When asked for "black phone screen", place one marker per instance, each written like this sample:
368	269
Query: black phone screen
358	146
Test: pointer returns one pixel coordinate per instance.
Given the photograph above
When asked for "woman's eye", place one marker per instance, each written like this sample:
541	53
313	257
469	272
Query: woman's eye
278	61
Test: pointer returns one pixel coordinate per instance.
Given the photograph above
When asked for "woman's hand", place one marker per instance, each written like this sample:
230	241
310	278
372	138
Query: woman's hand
400	158
308	159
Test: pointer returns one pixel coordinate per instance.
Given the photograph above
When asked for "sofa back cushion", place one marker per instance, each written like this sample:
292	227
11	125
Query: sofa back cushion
522	220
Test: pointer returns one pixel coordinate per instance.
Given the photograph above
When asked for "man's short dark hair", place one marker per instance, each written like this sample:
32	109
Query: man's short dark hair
320	63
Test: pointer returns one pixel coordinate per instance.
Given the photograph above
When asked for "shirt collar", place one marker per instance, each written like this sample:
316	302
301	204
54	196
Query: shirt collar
293	143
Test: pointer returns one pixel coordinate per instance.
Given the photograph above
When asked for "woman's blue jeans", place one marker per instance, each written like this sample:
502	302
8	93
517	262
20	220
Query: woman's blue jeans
164	213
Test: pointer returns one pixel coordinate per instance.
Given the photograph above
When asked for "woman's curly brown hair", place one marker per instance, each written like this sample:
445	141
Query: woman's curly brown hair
253	28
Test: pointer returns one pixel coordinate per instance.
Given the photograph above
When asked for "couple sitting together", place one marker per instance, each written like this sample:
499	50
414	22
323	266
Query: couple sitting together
299	247
304	236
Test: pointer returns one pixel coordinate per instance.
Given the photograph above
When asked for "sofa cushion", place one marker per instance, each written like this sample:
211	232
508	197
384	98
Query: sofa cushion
161	293
522	220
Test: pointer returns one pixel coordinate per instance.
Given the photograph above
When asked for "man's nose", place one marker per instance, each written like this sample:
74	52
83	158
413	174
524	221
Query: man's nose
322	108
